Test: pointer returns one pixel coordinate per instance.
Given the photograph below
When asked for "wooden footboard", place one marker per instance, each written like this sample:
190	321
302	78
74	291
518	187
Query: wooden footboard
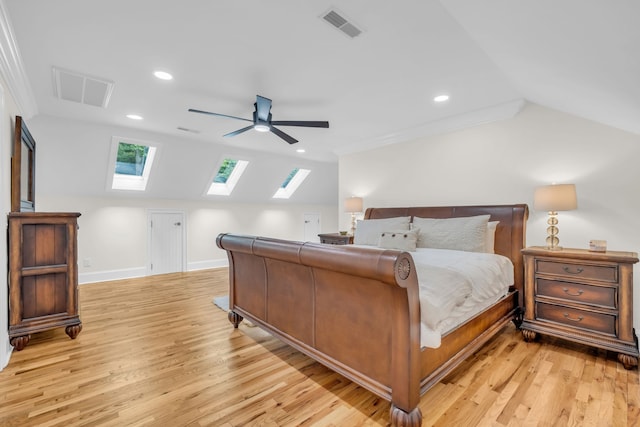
355	310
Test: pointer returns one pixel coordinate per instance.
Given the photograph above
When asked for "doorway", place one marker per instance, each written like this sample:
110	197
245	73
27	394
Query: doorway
167	242
311	227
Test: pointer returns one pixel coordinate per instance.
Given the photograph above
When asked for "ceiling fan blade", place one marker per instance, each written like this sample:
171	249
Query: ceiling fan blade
239	131
218	114
288	138
307	124
263	108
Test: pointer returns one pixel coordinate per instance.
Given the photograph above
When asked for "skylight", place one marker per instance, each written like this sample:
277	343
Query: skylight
227	177
291	183
131	164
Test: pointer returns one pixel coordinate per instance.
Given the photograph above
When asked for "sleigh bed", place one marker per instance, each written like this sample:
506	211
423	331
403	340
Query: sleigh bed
357	310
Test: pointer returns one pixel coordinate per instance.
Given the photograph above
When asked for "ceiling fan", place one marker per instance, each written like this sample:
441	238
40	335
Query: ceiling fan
262	121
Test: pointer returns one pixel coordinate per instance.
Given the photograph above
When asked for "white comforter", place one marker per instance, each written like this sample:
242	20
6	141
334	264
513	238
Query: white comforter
454	285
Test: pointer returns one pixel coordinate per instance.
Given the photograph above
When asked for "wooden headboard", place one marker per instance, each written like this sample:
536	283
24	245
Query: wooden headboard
510	233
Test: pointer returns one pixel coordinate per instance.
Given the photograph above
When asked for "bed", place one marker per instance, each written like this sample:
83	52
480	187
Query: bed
356	309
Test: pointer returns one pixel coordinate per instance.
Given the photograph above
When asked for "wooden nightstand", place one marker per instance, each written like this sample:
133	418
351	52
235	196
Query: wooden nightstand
336	239
582	296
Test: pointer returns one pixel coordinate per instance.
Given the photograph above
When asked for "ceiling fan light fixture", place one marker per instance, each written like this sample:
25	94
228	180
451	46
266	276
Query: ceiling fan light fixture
162	75
261	127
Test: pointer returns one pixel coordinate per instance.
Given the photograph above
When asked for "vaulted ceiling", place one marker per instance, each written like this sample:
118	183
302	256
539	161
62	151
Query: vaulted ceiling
377	88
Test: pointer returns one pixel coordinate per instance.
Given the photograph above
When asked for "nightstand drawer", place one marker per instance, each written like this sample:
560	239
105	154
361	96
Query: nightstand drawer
603	273
577	292
598	322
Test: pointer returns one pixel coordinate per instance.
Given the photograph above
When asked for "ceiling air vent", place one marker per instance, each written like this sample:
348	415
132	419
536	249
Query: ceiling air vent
78	87
341	23
187	129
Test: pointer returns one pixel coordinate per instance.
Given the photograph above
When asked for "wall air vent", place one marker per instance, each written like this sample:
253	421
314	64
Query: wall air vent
78	87
338	21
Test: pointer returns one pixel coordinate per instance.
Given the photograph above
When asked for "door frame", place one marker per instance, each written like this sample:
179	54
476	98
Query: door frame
150	213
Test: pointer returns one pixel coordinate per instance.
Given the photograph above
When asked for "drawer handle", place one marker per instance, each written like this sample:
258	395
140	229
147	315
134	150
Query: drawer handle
577	294
578	270
573	319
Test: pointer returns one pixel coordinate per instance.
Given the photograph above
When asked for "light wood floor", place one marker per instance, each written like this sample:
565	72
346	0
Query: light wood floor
157	352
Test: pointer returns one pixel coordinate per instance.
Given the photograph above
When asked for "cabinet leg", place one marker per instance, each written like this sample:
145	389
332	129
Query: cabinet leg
629	362
234	318
529	335
19	343
400	418
73	330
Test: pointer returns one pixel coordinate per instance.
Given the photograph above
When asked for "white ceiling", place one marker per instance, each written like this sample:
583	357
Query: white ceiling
577	56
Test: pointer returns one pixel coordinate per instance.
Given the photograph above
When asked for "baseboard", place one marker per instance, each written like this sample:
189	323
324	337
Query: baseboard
105	276
204	265
4	358
130	273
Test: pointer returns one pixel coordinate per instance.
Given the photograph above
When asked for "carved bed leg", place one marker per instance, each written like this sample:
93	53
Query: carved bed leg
73	330
234	318
400	418
528	335
19	343
629	362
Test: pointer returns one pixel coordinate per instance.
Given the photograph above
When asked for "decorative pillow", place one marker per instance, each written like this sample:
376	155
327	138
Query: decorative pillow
490	241
404	240
461	234
368	231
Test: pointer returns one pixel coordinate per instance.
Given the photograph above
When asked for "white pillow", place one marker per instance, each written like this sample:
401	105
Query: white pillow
461	234
490	241
368	231
404	240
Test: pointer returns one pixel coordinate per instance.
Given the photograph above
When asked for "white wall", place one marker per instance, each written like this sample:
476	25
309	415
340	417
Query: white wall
503	162
113	232
8	112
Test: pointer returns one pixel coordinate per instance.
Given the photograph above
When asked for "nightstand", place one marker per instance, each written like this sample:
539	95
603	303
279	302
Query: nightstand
581	296
336	239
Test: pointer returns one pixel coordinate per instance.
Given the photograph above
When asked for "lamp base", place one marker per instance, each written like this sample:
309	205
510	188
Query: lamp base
554	248
353	223
552	233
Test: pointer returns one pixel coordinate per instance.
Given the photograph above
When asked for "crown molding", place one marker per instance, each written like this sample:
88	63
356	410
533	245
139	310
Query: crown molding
494	113
12	68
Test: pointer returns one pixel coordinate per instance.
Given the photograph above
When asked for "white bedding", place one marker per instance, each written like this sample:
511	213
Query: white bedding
455	285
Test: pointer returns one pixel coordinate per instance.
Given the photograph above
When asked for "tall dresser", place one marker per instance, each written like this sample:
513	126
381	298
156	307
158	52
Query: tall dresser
43	275
582	296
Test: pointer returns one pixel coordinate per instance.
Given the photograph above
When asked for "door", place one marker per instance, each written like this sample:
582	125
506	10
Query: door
166	242
311	227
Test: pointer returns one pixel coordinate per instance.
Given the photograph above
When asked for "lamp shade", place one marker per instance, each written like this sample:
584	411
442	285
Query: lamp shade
551	198
353	204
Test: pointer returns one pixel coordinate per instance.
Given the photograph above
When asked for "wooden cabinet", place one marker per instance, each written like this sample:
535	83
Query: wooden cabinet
43	275
582	296
336	239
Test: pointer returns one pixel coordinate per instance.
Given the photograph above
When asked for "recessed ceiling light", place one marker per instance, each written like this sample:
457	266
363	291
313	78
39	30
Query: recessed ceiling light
163	75
441	98
134	117
301	150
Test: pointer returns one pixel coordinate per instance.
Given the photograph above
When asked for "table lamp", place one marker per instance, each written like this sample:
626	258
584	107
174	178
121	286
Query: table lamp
554	198
353	205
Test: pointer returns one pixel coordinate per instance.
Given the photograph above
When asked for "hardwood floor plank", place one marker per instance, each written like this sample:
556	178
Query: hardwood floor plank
156	351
